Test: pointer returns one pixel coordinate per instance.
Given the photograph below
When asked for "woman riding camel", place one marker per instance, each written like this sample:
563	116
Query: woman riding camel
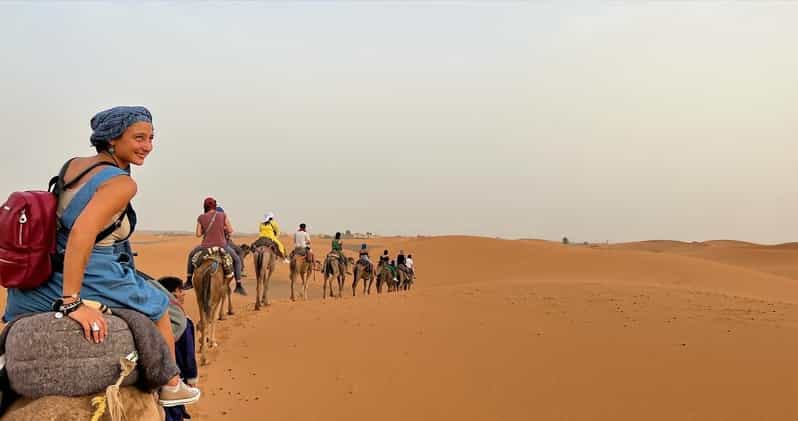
268	229
95	268
214	227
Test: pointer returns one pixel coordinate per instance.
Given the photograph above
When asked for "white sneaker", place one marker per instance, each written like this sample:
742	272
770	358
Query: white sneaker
182	394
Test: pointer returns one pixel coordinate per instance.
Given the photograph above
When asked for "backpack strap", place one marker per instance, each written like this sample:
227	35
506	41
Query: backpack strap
58	183
81	199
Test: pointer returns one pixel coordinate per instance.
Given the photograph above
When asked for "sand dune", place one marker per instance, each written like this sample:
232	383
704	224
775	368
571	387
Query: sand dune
776	259
525	329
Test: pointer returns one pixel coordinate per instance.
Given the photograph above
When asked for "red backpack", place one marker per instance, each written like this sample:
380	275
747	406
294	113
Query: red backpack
28	223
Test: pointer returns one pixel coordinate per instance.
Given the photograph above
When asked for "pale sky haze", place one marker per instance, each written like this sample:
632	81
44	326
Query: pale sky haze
600	121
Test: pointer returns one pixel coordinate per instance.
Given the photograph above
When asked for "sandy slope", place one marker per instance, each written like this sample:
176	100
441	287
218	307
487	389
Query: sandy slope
521	330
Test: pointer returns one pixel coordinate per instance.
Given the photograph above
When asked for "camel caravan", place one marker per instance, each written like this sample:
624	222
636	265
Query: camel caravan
267	251
87	335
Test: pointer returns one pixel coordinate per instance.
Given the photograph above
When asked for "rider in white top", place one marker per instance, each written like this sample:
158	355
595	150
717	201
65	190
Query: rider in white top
301	238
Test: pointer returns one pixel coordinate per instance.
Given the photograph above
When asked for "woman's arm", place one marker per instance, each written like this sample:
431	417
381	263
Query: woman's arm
111	197
198	232
228	227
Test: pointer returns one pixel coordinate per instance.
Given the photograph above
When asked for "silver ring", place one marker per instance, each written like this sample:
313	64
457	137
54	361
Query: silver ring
95	327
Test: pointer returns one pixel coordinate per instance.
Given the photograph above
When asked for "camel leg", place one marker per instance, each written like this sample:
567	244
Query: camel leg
230	311
258	283
203	330
324	288
293	276
203	354
218	307
266	286
305	287
221	305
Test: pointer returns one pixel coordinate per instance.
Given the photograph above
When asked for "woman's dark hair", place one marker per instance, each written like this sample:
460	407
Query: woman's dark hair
385	251
302	226
409	256
101	147
337	235
209	204
171	283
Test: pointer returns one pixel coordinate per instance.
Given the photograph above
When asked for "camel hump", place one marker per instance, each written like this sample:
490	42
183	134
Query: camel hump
46	355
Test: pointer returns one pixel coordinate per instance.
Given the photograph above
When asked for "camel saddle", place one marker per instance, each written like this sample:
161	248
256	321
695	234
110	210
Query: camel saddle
45	355
267	242
212	252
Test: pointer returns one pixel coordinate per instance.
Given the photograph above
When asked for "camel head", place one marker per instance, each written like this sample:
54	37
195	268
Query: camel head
245	249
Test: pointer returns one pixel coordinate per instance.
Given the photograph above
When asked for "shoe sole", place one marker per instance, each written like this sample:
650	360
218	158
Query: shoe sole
178	402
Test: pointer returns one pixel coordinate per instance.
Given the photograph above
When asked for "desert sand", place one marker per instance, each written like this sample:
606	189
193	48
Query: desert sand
515	330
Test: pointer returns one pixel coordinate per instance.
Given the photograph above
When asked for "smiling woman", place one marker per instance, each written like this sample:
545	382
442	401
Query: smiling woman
96	220
123	133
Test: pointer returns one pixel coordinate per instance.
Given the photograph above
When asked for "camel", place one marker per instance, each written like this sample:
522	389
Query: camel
300	266
405	277
230	311
265	262
360	272
334	268
384	277
137	405
211	289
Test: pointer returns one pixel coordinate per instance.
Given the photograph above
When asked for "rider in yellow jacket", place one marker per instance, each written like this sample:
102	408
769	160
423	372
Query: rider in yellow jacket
269	229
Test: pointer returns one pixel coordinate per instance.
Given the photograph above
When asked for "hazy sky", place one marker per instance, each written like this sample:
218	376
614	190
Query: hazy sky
600	121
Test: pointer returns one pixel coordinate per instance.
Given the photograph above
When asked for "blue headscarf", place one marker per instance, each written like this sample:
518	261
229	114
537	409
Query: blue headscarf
111	123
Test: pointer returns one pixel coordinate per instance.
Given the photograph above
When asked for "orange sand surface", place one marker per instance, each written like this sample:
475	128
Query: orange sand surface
515	330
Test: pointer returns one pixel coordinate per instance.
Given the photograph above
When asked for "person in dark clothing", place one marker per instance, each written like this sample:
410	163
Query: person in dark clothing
185	354
400	259
231	245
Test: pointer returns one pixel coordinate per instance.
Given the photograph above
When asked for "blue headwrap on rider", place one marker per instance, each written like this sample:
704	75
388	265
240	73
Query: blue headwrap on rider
111	123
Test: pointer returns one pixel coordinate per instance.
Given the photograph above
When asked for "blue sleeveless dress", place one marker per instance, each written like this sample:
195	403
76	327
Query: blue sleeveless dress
109	278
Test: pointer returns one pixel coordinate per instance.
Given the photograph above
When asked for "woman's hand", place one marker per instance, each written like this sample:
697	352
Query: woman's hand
95	328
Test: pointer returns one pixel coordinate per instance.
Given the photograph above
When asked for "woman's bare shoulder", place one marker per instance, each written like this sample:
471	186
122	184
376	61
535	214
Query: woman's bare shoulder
79	164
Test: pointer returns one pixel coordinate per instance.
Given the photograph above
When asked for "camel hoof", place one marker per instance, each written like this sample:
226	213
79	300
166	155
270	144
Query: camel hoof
214	344
257	307
230	313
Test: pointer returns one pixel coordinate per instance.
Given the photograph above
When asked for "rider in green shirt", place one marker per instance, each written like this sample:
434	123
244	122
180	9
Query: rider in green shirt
336	243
